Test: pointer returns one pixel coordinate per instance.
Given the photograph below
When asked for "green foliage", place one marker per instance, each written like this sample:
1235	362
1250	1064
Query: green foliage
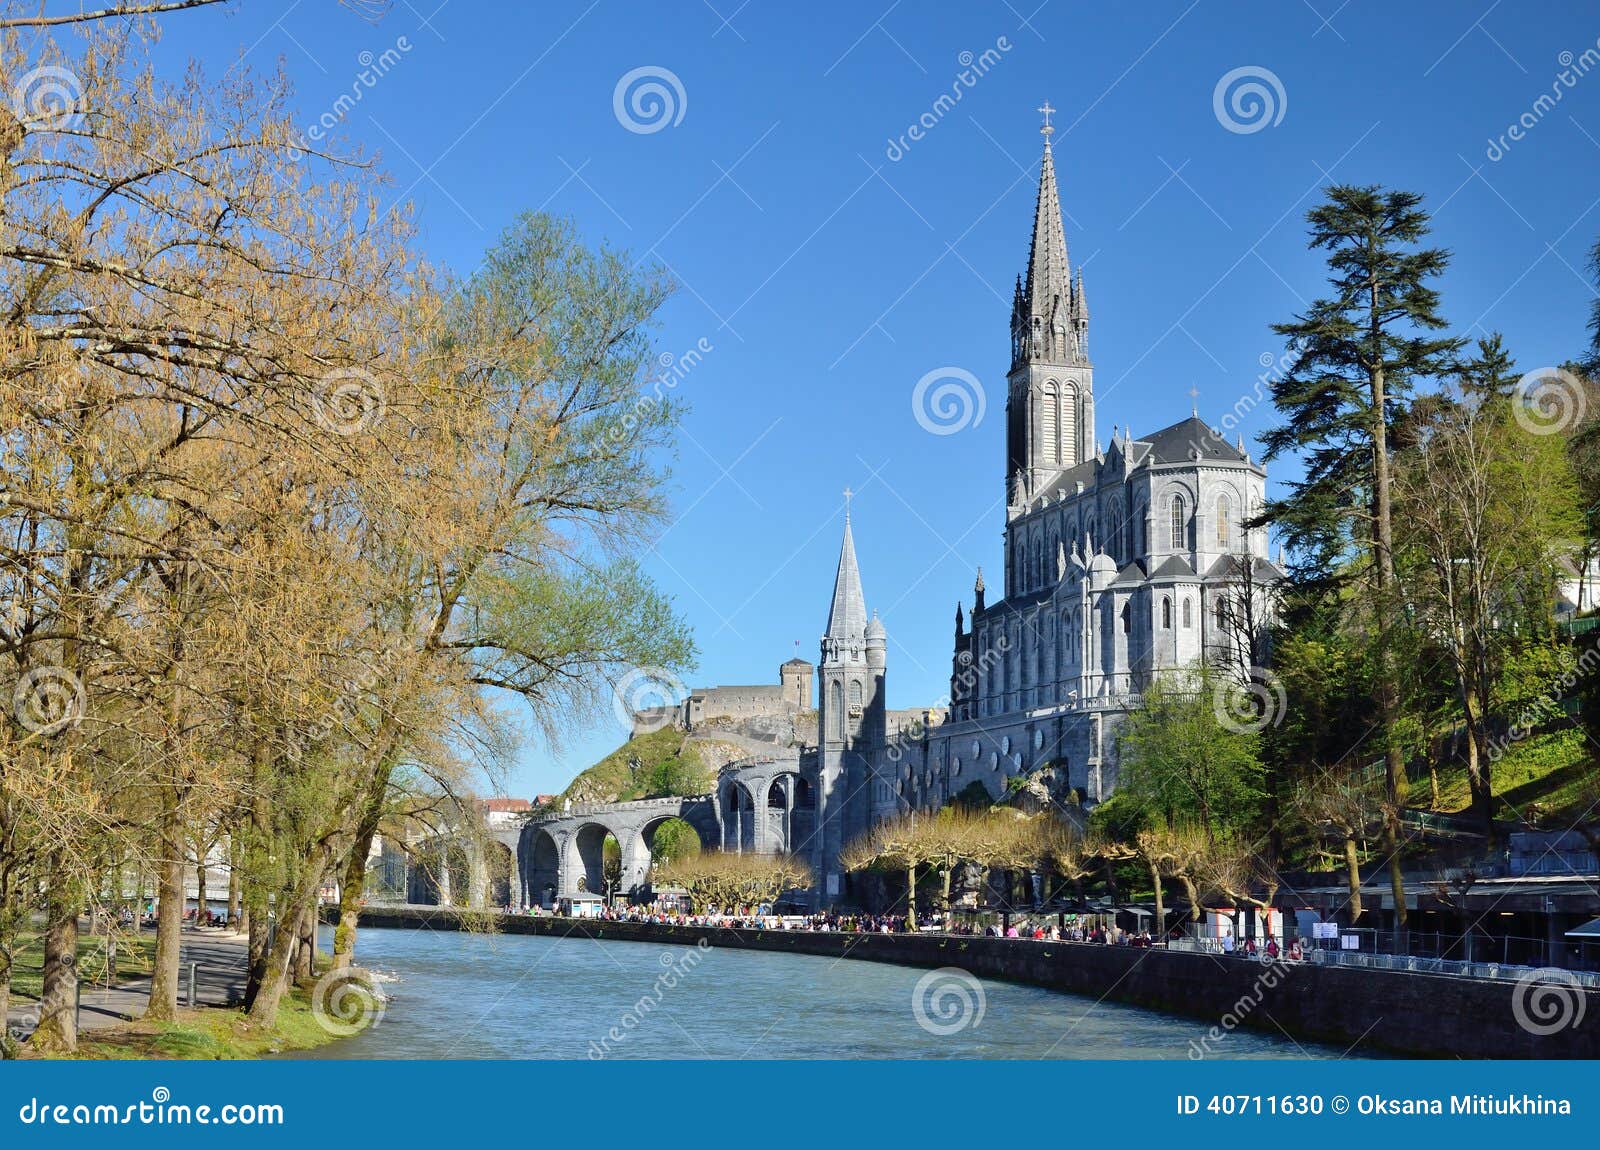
1377	322
656	763
680	775
674	841
1180	762
974	796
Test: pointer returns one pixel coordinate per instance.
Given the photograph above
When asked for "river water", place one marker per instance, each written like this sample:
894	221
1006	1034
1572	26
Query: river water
522	996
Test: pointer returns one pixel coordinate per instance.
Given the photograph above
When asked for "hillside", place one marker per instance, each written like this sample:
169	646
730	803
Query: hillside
677	762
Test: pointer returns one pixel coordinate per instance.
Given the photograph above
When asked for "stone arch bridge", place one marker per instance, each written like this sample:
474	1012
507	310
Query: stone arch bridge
555	851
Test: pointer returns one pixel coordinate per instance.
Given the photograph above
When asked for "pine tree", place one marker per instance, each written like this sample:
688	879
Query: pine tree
1357	354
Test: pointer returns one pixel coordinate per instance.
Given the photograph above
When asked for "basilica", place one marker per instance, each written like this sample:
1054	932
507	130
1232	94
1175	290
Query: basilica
1121	562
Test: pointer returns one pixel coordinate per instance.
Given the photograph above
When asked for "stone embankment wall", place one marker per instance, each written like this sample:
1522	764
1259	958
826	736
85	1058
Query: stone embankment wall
1417	1014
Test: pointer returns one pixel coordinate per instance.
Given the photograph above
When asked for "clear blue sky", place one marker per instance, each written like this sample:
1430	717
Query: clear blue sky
829	278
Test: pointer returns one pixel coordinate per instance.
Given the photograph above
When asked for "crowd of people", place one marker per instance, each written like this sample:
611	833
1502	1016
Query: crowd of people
1095	930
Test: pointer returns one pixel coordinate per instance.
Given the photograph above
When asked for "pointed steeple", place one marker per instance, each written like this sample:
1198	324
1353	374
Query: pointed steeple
977	595
1047	299
847	617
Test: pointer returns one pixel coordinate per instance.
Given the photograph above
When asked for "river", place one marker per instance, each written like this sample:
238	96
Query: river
455	995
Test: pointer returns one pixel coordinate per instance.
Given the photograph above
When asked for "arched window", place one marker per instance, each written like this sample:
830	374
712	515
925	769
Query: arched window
1179	521
855	692
1188	614
1114	546
837	696
1069	425
1222	613
1051	429
1224	515
1127	619
1166	613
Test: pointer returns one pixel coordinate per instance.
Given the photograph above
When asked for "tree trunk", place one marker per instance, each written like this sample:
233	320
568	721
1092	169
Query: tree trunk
1161	910
911	897
1192	893
1478	761
354	886
1388	679
305	959
58	1007
1352	862
201	908
293	903
256	854
233	887
165	977
8	944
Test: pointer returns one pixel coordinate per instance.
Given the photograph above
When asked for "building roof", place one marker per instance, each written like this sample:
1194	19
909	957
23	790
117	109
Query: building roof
797	662
847	616
1175	567
1178	444
504	805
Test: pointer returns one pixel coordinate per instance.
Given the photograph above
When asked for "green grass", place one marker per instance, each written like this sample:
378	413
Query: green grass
1548	778
613	780
135	956
210	1034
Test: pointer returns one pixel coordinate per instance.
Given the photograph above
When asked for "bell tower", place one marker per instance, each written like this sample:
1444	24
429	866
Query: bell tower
1050	399
850	718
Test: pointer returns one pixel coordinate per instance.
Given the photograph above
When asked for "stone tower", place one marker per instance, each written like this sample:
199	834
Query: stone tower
1050	401
796	680
850	718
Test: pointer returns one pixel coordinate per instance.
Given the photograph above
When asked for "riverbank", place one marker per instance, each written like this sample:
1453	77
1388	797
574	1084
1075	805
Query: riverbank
1421	1015
110	1025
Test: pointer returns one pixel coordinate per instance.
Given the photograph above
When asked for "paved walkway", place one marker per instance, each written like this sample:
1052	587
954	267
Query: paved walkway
219	980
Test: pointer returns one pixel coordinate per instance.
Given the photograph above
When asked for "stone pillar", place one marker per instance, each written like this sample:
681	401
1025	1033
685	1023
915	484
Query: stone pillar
477	877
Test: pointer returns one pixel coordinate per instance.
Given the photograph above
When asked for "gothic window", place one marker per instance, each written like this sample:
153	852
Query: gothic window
855	692
1188	614
1052	424
1127	618
1069	424
1166	613
837	695
1138	533
1224	514
1178	521
1222	615
1114	534
1088	529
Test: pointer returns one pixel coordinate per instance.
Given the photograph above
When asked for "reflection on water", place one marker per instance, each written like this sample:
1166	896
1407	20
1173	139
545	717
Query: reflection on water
521	996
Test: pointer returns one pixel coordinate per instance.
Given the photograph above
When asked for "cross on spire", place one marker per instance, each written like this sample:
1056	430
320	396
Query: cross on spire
848	494
1046	110
1194	400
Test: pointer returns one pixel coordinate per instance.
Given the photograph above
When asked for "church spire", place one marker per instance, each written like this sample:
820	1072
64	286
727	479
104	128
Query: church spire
1047	287
847	617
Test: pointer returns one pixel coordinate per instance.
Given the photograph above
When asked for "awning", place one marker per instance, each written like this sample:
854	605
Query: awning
1588	932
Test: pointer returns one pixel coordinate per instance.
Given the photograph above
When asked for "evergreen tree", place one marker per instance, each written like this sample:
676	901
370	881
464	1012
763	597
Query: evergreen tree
1357	354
